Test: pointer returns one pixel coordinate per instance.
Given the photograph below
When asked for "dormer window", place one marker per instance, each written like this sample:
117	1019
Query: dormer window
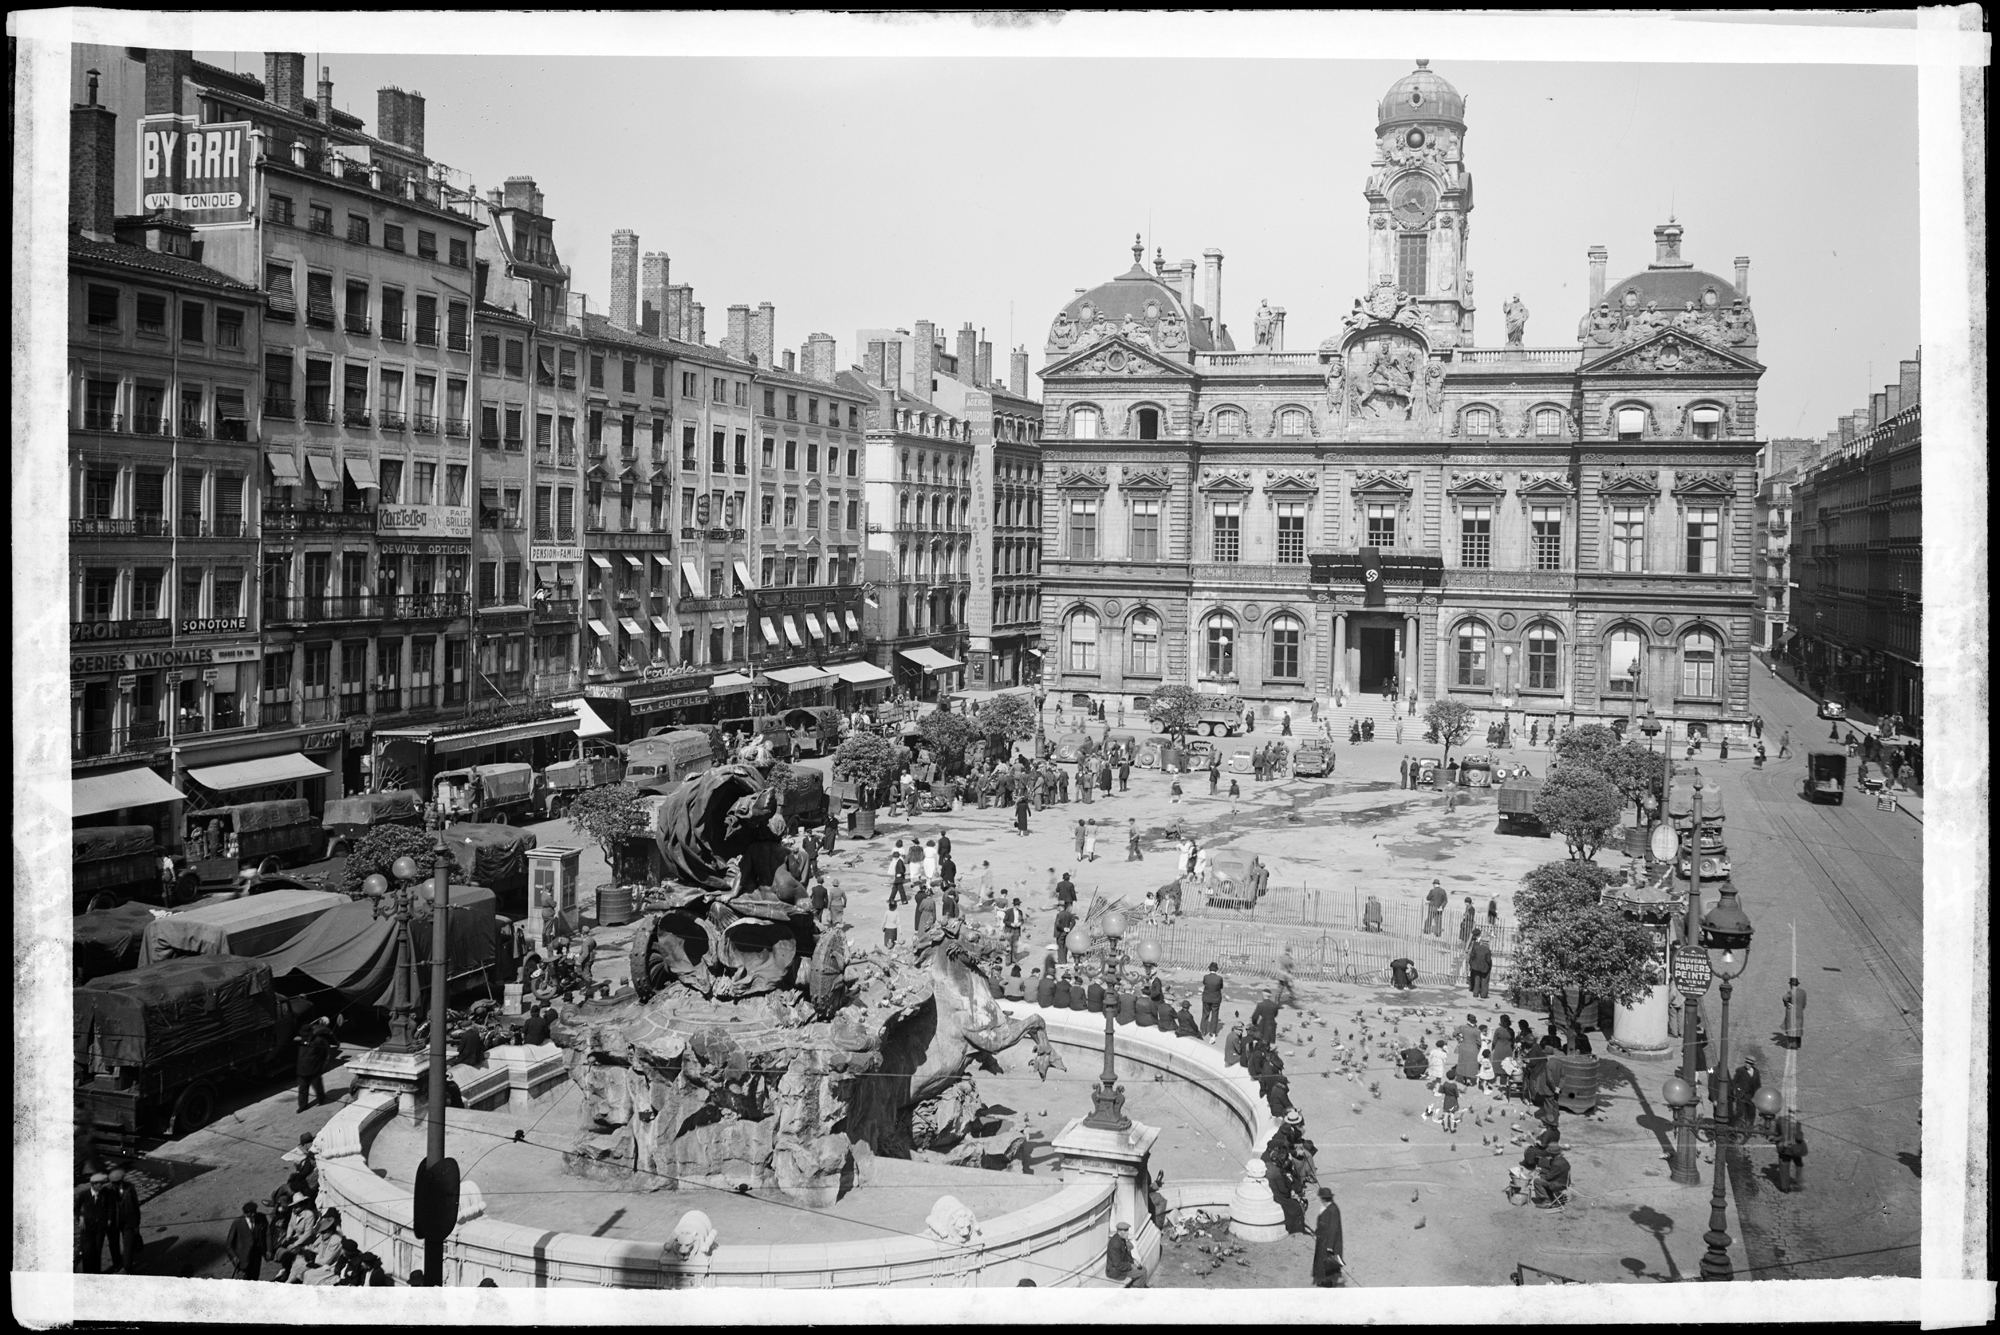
1478	422
1149	423
1705	423
1631	423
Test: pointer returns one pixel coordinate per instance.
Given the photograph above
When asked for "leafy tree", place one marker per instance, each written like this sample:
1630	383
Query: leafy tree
1005	720
1557	889
1637	771
1595	952
870	761
1450	721
377	848
609	815
948	735
1587	745
1582	806
1175	710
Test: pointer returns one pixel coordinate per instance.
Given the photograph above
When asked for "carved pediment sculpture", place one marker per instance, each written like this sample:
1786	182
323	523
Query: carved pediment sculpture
1547	482
1465	481
1630	481
1704	481
1224	479
1290	480
1143	479
1382	479
1083	476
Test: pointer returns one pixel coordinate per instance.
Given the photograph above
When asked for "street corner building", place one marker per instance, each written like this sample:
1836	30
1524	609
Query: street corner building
1565	531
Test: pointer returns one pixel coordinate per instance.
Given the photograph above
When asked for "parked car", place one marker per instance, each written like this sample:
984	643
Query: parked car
1152	753
1074	746
1239	760
1198	751
815	729
123	861
1829	709
1314	760
1429	773
1476	771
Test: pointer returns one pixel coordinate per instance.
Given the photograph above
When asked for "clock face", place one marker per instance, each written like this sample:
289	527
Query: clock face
1413	200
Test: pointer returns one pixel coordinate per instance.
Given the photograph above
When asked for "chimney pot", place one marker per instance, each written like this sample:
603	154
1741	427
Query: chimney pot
1742	275
653	293
873	361
764	335
1667	247
892	364
923	360
984	377
93	174
1017	372
325	107
1212	293
285	80
737	341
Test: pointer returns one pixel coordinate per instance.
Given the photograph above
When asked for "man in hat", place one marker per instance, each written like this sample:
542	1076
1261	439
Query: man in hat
96	1220
247	1242
1119	1263
1211	1000
536	1031
1278	1156
1264	1018
124	1233
1793	1034
315	1049
1328	1258
1434	903
1743	1087
1232	1046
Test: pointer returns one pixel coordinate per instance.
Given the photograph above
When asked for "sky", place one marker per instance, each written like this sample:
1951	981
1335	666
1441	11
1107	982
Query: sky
856	193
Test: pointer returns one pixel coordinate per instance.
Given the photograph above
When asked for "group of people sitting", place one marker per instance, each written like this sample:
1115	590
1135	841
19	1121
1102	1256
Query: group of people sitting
300	1238
1140	997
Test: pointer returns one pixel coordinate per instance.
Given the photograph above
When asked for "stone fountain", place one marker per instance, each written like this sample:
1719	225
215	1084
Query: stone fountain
757	1050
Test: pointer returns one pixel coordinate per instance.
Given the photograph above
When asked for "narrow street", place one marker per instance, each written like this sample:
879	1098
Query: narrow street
1847	883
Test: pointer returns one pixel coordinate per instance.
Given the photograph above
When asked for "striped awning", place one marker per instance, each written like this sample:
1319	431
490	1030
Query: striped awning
791	632
284	468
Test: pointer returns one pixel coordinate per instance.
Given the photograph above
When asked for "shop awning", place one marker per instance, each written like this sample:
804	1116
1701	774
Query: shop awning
362	471
323	470
666	562
114	792
599	629
862	674
692	574
770	631
284	468
546	574
633	561
743	575
730	683
812	626
796	677
660	624
588	723
601	561
512	732
791	632
632	627
852	624
930	660
256	773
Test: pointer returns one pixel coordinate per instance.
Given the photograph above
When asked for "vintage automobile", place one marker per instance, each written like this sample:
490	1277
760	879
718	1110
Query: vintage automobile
1152	753
1475	771
1198	752
1074	746
257	836
1239	760
1714	861
1429	773
1124	744
488	793
815	729
1831	709
1230	882
1314	759
665	760
562	781
1826	777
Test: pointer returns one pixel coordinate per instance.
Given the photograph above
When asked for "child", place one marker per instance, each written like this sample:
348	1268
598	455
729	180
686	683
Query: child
1235	791
1440	1061
1448	1093
1175	789
1486	1070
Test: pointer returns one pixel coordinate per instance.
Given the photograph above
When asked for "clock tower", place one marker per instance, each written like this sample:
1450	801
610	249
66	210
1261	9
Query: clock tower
1420	204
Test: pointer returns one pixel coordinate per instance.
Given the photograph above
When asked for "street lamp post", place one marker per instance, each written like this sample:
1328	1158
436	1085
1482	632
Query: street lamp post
436	1165
1686	1170
1727	929
1632	704
1506	693
1107	1112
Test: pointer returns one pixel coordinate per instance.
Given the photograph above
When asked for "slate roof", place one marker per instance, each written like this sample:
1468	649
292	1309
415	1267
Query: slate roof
138	258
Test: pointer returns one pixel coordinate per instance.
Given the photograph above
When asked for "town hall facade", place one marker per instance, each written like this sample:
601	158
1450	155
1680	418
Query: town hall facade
1557	532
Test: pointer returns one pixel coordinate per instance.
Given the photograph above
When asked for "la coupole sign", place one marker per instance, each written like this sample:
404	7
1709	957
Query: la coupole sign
202	171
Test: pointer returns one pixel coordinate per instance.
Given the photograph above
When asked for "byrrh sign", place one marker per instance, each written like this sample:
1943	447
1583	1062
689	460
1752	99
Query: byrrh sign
199	170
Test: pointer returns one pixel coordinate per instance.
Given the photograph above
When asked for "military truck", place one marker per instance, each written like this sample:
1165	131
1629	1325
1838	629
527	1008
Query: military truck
123	862
348	818
263	837
482	794
562	781
1517	796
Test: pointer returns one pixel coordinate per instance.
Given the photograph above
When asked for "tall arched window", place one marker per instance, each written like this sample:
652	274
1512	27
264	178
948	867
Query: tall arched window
1698	652
1144	636
1149	423
1228	422
1705	423
1292	422
1083	424
1631	423
1470	645
1544	658
1623	653
1219	639
1548	422
1478	422
1286	632
1082	641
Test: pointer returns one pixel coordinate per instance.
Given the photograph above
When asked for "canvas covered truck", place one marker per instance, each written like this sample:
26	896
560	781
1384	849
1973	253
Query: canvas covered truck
346	958
263	837
658	763
1517	796
123	862
497	794
495	856
159	1045
563	780
245	926
348	818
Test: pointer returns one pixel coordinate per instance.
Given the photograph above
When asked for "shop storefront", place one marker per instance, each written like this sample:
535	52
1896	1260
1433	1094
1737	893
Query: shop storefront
860	684
413	757
664	698
135	796
267	768
928	674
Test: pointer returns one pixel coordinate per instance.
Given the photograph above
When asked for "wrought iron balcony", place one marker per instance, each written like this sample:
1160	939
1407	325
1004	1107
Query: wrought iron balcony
318	412
322	607
425	423
280	408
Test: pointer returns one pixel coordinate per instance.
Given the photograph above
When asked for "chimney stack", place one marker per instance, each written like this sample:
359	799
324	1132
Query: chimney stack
325	105
1909	376
93	175
737	341
873	361
285	80
764	334
923	360
653	293
700	330
1185	286
1599	257
968	354
821	361
1878	409
1017	372
1743	276
892	364
519	193
624	311
167	73
399	117
985	377
790	364
1212	293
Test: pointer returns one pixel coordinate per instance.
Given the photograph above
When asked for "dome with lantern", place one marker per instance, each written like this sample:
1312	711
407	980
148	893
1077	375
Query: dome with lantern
1421	96
1142	306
